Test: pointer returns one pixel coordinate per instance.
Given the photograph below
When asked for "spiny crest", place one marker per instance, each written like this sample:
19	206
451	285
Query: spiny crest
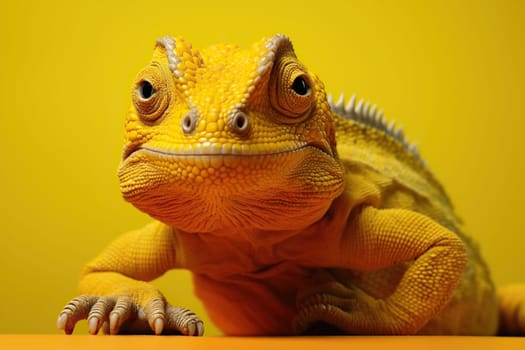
363	113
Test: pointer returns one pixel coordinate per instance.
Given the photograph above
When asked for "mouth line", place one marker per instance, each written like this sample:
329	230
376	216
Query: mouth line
218	153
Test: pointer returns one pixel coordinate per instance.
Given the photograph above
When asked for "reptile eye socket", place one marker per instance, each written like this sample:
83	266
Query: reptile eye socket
146	90
291	92
300	86
151	94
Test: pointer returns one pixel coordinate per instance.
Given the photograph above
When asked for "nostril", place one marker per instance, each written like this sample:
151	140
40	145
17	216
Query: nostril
239	122
189	122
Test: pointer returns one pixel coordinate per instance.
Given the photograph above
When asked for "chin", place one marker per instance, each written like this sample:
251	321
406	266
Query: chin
210	194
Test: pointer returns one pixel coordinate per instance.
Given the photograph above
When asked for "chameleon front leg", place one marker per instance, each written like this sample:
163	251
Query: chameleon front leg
114	291
379	238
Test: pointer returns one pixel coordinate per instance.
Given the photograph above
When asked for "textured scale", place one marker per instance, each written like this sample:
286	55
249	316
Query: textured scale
295	214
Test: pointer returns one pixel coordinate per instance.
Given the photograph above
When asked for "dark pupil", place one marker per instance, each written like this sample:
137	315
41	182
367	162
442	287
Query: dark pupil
146	90
300	86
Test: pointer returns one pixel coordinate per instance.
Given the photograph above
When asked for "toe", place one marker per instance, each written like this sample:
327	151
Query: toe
100	313
122	311
156	315
76	310
311	315
184	321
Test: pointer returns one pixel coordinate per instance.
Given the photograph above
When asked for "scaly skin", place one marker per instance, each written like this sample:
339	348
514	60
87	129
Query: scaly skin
234	153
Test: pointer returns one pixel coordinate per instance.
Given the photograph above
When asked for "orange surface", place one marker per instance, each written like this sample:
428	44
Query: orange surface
45	342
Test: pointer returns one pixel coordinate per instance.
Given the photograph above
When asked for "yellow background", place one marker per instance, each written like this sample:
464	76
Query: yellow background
451	72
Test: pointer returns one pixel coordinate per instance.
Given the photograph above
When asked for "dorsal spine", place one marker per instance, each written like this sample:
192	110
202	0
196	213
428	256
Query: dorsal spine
364	113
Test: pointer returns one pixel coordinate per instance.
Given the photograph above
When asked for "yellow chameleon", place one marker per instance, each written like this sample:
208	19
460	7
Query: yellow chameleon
295	214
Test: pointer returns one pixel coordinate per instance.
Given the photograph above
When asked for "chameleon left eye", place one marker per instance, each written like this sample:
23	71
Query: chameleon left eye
151	94
146	90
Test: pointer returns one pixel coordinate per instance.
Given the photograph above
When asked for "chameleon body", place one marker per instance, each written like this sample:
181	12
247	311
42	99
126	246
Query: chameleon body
295	214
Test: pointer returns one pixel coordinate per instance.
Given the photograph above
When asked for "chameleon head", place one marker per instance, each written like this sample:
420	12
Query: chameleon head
226	138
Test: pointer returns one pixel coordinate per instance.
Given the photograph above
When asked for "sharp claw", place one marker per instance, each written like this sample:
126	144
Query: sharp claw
159	326
200	328
93	325
114	323
191	328
64	324
62	321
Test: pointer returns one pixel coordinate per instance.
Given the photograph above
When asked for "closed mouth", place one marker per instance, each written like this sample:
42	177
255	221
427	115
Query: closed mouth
209	150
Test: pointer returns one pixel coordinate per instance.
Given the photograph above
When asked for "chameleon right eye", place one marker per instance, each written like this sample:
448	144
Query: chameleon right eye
291	92
300	86
151	93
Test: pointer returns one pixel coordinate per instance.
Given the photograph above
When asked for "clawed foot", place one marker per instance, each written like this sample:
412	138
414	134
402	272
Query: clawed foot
334	308
120	315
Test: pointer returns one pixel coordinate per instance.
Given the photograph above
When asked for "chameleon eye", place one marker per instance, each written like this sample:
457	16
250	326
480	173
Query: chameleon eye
291	92
146	90
300	86
151	94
